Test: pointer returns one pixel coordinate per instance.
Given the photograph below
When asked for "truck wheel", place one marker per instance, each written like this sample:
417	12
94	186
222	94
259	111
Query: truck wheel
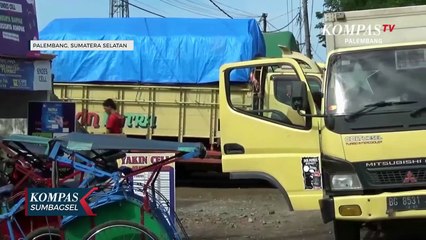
347	230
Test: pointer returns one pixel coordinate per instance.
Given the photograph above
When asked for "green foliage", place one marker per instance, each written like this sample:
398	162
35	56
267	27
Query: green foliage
352	5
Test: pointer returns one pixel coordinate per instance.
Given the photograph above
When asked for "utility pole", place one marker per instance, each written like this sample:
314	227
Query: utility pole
265	23
306	28
119	8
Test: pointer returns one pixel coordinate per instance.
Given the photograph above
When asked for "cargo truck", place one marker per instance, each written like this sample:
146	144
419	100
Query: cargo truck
167	88
178	113
359	158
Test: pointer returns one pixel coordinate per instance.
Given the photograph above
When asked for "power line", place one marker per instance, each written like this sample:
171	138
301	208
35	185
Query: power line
270	24
145	10
249	14
288	24
194	6
288	16
291	2
186	9
197	5
203	6
284	14
150	6
298	41
217	6
315	52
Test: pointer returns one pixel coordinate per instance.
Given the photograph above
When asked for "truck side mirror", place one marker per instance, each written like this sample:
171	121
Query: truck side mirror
299	100
317	96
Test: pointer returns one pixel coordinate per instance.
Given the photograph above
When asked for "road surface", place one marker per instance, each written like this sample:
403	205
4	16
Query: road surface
217	209
245	213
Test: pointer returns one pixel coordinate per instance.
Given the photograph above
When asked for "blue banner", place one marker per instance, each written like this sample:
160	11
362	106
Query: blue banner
50	118
19	74
58	202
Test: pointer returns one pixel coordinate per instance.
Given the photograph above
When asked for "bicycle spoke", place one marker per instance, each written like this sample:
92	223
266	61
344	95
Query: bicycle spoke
120	230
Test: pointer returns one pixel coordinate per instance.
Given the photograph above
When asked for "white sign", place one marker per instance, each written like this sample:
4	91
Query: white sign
11	7
82	45
42	76
165	182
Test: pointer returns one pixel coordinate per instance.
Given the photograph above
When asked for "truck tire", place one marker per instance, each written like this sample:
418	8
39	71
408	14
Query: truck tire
347	230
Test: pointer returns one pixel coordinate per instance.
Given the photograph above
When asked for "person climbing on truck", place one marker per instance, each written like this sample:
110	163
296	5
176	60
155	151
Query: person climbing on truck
115	121
254	80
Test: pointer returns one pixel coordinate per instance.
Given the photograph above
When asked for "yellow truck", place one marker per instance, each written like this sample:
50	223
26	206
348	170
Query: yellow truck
359	156
178	113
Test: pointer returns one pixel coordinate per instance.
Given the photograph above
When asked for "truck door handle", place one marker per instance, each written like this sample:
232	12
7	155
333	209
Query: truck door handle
233	148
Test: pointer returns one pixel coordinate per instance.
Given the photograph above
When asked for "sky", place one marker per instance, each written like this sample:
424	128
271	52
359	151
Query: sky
280	12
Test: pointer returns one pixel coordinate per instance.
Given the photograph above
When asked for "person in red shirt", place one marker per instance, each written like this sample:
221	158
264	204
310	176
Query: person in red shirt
115	121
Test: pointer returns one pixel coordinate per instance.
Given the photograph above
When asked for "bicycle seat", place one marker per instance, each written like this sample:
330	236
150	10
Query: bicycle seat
6	190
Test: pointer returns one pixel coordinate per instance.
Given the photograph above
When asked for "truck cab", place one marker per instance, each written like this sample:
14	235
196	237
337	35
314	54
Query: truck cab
274	90
360	156
256	143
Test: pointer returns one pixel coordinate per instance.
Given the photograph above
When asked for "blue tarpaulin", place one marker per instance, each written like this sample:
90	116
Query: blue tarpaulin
166	50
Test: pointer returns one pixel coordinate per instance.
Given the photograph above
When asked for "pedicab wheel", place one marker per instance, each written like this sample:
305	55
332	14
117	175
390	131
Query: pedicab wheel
120	229
45	233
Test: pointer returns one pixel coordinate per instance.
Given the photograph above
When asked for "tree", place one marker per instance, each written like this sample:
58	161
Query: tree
353	5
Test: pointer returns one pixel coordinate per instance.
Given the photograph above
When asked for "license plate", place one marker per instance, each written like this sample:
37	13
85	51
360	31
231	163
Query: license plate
406	203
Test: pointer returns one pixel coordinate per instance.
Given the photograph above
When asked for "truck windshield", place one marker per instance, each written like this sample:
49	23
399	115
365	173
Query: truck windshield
357	79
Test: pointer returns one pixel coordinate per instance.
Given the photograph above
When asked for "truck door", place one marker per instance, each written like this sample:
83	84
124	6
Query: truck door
258	142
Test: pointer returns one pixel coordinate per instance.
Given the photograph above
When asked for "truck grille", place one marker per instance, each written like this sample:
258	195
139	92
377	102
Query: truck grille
395	176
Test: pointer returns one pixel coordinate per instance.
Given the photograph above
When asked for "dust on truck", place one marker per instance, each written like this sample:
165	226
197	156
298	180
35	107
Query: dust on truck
361	153
167	88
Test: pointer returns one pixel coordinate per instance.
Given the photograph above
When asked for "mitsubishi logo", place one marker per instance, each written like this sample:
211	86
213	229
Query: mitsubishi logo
410	178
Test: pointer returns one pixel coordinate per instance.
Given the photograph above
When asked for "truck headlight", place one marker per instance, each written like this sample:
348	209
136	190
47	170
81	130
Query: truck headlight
348	181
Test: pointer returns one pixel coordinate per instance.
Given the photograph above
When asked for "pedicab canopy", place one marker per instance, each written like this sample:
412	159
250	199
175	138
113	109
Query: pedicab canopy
166	50
84	142
25	144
